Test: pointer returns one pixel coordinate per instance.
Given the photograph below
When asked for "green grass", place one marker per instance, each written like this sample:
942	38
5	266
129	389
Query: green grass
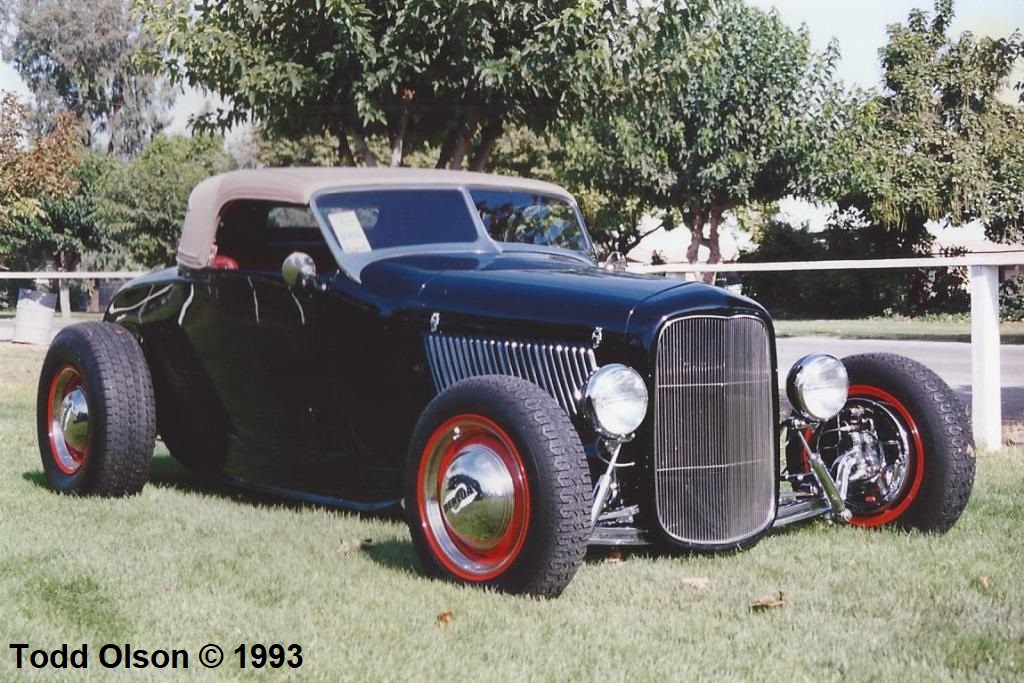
184	564
952	329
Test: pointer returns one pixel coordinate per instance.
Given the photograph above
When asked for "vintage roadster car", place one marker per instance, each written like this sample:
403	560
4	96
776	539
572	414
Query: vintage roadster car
447	341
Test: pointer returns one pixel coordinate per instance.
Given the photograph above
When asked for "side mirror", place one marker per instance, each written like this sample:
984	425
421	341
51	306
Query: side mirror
299	271
615	262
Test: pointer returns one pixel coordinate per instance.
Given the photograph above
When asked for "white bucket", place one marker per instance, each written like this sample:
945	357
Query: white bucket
34	318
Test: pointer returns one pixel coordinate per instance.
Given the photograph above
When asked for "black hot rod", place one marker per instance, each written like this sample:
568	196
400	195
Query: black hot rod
447	340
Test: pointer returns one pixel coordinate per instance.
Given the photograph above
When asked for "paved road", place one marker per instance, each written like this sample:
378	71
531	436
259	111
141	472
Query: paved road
951	360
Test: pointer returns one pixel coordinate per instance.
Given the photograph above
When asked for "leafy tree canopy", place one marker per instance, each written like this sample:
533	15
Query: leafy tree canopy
142	202
84	60
937	143
715	104
415	73
34	170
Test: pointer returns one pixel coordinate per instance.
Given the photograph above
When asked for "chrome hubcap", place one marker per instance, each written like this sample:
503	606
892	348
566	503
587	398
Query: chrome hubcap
69	420
474	500
477	497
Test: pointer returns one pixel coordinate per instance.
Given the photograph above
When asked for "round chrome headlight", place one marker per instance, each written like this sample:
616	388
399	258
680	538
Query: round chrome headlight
615	400
817	386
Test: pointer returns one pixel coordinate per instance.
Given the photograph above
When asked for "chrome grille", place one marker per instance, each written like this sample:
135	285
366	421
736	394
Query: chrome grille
559	370
714	444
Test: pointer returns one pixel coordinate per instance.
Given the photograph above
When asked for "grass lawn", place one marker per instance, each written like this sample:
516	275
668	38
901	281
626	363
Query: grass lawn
187	563
888	328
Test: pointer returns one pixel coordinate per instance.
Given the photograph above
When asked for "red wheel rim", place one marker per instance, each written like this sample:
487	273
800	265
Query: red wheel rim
473	497
916	458
67	420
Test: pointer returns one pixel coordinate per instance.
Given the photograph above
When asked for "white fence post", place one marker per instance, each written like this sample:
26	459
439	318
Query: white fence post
986	403
65	299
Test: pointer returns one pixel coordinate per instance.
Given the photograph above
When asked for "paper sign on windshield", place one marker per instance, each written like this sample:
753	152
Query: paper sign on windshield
349	232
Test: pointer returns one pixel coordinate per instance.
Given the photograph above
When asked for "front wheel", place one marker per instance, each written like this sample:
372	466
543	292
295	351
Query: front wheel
902	444
498	491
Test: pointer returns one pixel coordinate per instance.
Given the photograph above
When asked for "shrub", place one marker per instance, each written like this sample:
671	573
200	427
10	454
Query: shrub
851	293
1011	299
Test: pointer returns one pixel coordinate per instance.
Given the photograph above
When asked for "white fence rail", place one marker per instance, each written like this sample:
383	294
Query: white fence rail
76	275
986	387
64	277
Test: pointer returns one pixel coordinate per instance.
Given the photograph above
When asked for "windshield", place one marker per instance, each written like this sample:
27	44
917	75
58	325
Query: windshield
525	218
381	219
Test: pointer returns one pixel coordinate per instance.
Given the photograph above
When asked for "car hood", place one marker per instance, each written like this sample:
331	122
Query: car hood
519	294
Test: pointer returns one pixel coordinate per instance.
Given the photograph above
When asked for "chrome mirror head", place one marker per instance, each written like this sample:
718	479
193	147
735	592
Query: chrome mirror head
299	271
615	262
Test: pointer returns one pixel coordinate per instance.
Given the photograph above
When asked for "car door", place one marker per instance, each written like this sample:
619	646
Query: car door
256	339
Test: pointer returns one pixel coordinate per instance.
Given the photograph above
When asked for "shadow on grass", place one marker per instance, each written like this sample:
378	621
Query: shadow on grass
397	555
37	478
166	472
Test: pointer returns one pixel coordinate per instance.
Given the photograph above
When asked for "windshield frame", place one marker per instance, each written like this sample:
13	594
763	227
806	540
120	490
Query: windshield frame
353	264
590	254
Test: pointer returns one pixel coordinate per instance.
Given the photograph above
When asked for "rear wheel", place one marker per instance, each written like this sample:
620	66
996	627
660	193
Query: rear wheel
903	444
95	412
497	488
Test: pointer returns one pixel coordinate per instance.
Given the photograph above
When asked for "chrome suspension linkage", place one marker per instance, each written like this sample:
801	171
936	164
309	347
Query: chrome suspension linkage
834	493
604	482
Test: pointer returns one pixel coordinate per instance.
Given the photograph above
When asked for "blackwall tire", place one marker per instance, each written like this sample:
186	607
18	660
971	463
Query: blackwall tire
940	476
95	412
498	492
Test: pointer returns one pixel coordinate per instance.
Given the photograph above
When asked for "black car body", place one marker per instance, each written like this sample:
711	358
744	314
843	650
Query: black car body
310	381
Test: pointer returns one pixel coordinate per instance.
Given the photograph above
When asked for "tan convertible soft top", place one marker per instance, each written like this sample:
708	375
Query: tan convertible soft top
298	185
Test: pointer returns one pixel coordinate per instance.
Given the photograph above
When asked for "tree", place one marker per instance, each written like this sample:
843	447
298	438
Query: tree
717	104
84	60
414	73
34	173
75	231
937	143
143	202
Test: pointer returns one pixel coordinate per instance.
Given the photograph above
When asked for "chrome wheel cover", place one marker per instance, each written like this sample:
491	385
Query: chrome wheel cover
68	413
473	497
477	497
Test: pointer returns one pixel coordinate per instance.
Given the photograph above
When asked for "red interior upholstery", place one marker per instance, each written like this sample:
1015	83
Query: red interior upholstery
223	262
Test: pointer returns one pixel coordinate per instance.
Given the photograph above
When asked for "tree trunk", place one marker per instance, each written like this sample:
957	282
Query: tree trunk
448	147
396	149
362	148
713	245
714	220
113	127
696	235
344	151
489	136
398	130
460	149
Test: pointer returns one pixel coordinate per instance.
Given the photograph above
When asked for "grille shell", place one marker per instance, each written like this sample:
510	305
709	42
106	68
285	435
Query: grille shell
715	470
559	369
